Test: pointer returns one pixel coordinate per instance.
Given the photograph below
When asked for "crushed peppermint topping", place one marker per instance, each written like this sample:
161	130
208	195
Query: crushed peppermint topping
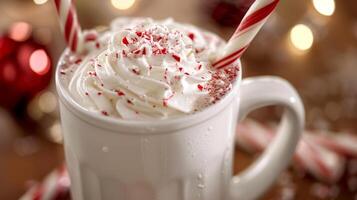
105	113
170	61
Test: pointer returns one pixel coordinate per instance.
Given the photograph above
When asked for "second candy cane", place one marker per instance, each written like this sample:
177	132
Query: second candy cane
70	25
253	20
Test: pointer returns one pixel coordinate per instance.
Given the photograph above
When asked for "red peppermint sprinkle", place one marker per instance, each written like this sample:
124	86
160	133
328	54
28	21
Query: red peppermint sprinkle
200	87
180	68
90	37
164	51
144	51
135	71
138	33
124	53
164	103
78	61
86	93
137	51
99	93
186	73
199	67
176	57
199	50
97	45
125	41
91	73
191	36
117	55
119	93
63	73
129	102
105	113
156	51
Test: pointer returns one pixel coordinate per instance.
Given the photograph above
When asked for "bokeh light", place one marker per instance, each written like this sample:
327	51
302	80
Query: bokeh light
39	62
324	7
47	102
55	133
301	37
33	110
20	31
40	2
123	4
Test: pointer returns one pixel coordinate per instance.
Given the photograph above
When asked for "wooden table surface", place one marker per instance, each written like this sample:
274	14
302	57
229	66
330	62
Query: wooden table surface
324	76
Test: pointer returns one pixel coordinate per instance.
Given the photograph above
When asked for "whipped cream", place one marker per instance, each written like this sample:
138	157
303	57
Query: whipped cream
144	69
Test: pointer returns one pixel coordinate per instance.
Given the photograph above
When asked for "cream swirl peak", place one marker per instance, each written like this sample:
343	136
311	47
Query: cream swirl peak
142	69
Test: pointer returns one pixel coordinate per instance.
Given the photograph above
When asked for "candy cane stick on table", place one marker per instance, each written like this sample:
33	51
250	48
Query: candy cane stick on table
70	25
253	20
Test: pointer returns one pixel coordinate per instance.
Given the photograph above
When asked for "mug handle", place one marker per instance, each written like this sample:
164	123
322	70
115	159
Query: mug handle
256	93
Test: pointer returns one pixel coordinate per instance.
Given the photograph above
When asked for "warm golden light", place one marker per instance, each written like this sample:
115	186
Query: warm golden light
301	37
55	134
123	4
324	7
40	2
47	102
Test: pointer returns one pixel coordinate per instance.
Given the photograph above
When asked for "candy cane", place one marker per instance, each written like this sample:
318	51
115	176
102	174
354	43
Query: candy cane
55	186
323	163
343	143
320	162
69	23
252	22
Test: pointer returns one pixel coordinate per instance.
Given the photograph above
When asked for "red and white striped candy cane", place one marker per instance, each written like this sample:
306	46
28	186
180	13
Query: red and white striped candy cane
323	163
56	186
69	23
342	143
253	20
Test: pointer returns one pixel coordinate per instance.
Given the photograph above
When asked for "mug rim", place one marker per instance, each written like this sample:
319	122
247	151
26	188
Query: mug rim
142	126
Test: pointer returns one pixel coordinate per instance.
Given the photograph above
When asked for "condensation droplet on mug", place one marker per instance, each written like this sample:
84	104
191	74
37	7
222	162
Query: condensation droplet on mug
199	176
105	149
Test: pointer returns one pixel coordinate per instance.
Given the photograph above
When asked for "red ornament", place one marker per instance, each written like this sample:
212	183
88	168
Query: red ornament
25	68
228	12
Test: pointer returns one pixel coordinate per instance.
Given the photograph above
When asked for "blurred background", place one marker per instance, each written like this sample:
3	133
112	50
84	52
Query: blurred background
311	43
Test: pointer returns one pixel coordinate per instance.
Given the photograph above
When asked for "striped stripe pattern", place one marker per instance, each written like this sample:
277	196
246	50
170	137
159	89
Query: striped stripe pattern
253	20
69	24
55	186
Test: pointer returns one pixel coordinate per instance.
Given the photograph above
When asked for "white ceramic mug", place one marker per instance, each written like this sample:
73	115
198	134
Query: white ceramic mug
186	158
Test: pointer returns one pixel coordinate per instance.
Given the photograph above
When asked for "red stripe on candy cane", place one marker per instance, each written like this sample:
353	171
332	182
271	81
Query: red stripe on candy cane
316	156
256	17
232	60
69	25
342	143
229	56
58	5
74	41
38	193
